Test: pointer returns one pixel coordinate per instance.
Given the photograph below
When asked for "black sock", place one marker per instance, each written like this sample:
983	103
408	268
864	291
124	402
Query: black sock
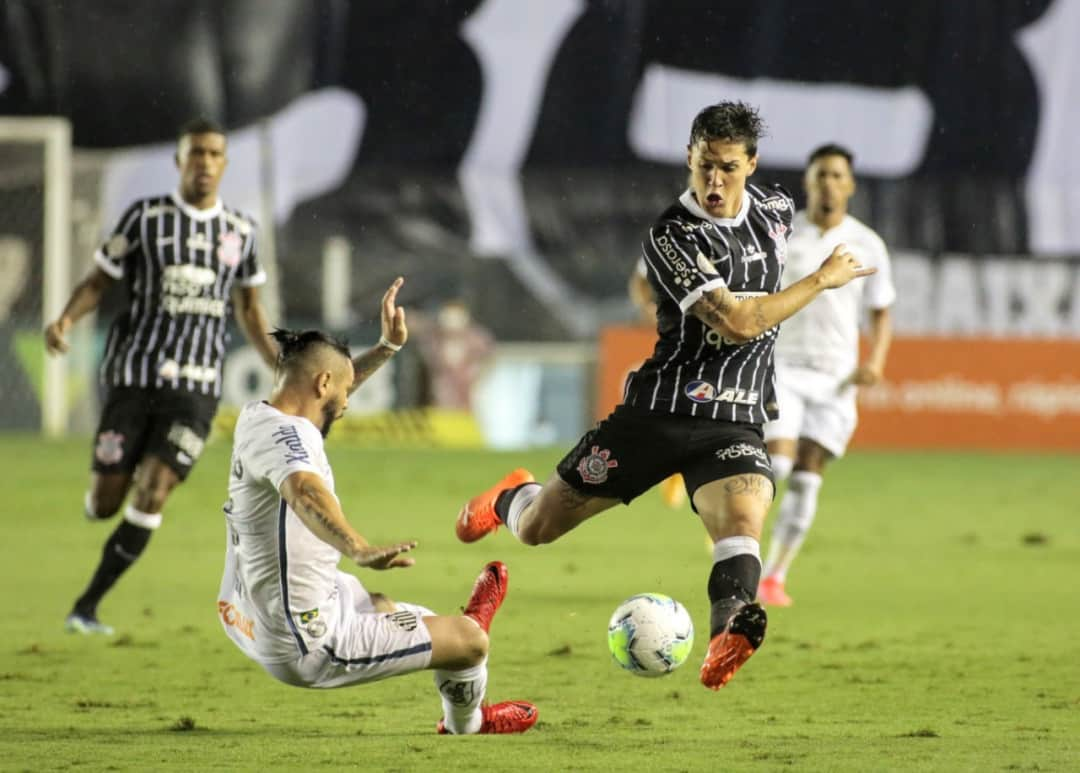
502	502
121	550
732	584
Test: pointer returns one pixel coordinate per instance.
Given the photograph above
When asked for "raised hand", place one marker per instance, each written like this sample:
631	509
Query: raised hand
394	329
841	267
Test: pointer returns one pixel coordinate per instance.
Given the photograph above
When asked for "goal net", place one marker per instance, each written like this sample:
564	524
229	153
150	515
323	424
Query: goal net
36	391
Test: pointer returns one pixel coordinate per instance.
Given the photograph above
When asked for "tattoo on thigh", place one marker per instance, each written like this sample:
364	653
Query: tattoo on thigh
752	485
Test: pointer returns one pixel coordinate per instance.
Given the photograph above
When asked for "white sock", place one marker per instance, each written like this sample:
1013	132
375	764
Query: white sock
461	693
729	547
797	511
139	518
781	467
523	497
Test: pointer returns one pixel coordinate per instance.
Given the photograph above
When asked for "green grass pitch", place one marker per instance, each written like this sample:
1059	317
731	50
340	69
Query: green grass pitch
936	627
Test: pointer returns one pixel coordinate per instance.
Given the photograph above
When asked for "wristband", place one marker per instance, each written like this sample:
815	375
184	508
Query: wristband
387	345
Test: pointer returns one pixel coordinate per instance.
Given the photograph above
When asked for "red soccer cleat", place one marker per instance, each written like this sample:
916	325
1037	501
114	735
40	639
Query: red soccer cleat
477	517
771	593
505	717
733	646
487	594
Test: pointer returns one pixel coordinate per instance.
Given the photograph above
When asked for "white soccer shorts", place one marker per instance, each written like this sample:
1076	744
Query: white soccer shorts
363	645
815	405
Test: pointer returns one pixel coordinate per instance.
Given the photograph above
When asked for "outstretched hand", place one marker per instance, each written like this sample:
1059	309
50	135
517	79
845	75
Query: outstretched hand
389	557
394	329
841	267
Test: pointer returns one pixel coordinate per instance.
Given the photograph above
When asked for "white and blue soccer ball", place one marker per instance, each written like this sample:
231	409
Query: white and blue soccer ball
650	634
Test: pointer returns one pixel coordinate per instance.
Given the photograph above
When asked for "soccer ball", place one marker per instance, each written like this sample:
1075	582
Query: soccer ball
650	634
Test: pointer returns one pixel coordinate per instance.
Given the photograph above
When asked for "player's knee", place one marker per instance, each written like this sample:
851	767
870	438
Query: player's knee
474	645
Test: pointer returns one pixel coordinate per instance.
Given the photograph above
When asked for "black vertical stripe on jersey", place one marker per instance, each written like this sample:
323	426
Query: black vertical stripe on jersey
684	352
142	338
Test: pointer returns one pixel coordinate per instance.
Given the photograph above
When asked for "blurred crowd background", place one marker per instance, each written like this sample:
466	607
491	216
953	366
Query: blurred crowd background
506	157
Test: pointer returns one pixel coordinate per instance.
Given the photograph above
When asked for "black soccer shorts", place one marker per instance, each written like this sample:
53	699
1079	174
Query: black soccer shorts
136	422
632	450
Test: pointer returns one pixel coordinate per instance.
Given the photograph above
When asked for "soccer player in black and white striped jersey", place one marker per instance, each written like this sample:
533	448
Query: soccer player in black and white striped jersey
697	405
184	258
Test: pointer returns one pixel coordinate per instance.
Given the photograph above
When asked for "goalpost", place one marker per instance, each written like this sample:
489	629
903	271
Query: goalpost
35	236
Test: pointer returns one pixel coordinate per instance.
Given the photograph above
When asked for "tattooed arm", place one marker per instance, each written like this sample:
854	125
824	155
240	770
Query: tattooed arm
744	320
321	513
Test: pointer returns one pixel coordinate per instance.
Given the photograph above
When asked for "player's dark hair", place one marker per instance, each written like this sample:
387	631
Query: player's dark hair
731	122
832	149
200	126
292	344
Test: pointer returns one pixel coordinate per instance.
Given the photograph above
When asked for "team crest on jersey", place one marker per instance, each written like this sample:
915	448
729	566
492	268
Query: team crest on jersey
594	467
701	391
110	447
229	244
778	233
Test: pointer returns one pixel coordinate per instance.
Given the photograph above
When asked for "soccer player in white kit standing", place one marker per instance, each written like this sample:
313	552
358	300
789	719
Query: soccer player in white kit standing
817	357
284	602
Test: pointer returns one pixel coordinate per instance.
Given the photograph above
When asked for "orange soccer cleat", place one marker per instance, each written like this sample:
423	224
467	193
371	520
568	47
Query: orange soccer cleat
733	646
505	717
487	594
477	517
771	593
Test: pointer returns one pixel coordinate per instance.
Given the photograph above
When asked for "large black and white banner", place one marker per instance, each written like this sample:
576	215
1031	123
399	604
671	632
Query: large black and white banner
549	133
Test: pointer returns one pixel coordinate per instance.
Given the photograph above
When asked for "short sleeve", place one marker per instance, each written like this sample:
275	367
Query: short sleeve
281	446
677	267
250	272
112	256
880	292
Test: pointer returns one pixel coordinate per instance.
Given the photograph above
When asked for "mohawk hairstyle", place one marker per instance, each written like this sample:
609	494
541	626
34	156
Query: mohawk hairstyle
729	121
293	343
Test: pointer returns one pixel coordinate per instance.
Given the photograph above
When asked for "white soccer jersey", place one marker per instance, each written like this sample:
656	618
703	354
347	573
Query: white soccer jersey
824	336
278	595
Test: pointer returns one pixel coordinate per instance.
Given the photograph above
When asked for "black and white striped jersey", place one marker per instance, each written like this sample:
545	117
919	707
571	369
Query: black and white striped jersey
179	265
694	370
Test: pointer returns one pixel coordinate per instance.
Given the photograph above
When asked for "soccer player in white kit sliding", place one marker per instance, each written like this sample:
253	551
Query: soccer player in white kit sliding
817	357
284	602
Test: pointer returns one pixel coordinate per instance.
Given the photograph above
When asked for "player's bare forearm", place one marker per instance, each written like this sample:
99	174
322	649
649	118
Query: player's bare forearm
87	295
84	298
320	512
367	363
744	320
880	338
251	317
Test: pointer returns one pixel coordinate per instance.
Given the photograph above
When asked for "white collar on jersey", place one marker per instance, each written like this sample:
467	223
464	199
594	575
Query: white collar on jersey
687	200
192	212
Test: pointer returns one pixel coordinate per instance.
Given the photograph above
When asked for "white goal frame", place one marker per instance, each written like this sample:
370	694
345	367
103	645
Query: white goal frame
54	133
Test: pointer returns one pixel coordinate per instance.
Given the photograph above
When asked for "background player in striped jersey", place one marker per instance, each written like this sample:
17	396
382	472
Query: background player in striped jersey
696	406
817	357
184	259
284	602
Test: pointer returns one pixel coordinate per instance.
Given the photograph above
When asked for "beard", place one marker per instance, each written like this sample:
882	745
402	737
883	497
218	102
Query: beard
330	413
